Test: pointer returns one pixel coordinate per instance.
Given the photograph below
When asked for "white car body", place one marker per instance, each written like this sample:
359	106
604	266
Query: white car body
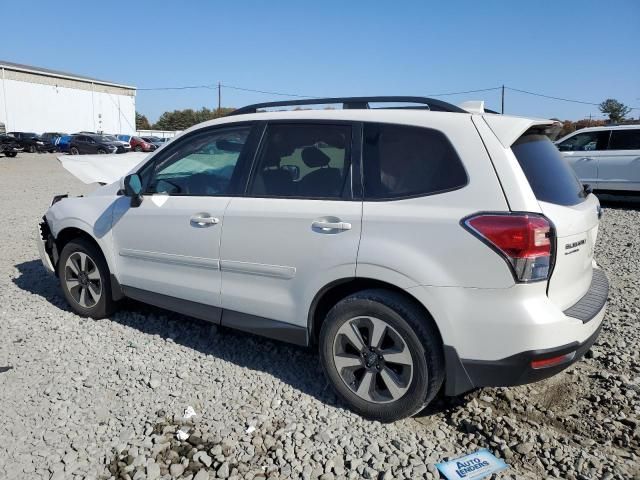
261	266
605	158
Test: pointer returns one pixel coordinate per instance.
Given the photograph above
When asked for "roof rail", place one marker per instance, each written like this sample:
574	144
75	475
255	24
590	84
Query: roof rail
354	103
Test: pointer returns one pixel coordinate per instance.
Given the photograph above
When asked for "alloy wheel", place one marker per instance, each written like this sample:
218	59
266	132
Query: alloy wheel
82	279
372	359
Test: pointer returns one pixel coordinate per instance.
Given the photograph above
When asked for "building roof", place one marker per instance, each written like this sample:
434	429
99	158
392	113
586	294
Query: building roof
57	73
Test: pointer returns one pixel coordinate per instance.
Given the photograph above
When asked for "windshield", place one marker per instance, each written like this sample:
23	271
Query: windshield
109	138
551	177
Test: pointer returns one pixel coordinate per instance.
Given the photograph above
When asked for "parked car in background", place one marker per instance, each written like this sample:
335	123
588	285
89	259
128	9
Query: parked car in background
52	137
605	158
419	251
9	146
156	141
83	144
123	147
32	143
140	145
62	143
124	138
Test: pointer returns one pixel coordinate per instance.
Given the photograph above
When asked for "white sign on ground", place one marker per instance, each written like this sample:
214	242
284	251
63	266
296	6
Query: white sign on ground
474	466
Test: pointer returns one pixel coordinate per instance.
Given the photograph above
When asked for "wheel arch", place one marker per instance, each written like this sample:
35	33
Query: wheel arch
337	290
69	233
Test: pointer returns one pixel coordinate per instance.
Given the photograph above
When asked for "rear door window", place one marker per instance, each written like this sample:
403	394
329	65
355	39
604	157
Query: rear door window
551	177
404	161
308	161
625	140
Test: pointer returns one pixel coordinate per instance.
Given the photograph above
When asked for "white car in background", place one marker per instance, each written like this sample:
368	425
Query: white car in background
418	250
605	158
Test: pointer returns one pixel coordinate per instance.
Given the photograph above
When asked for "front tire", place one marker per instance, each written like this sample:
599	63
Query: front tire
11	154
32	149
84	278
138	148
382	355
74	151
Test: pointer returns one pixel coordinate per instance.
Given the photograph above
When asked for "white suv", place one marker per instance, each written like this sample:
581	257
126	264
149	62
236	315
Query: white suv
420	249
605	158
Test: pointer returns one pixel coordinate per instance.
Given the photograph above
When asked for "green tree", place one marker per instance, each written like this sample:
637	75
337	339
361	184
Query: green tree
142	123
183	119
616	110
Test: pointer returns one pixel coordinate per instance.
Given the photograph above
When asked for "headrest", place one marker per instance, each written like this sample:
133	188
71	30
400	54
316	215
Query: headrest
314	158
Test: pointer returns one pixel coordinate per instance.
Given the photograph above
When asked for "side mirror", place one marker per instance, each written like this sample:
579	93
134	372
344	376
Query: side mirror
133	188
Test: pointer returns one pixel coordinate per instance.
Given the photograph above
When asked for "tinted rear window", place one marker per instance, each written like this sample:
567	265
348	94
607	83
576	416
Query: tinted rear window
402	161
551	177
625	140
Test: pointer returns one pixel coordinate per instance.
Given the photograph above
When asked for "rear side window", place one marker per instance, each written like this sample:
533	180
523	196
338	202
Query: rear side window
625	140
402	161
550	176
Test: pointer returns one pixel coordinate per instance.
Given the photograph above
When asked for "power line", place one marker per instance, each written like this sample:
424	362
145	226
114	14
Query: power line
177	88
269	93
282	94
460	93
560	98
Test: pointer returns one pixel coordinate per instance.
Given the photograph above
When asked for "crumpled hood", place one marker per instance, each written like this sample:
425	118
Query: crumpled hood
101	168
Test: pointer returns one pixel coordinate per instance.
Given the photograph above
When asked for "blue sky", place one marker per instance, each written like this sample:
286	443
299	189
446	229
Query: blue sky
585	50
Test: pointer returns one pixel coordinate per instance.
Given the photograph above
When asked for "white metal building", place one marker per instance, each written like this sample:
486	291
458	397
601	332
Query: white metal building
34	99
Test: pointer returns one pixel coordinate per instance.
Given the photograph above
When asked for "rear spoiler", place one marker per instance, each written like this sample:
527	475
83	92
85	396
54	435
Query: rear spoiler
508	129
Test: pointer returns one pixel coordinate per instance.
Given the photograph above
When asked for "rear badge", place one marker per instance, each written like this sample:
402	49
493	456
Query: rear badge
573	247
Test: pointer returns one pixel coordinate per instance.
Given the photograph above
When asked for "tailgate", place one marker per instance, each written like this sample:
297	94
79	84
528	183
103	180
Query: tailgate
576	232
574	215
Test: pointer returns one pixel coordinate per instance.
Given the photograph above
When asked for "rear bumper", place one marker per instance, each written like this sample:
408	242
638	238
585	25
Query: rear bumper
464	375
582	325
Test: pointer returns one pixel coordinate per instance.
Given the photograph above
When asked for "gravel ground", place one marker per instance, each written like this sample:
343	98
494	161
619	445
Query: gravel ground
91	399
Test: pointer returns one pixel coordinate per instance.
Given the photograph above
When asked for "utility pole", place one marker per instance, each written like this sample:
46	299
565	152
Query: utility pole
219	96
502	111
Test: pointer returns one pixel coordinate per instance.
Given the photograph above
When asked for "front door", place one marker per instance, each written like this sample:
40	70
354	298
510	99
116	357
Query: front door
169	245
297	229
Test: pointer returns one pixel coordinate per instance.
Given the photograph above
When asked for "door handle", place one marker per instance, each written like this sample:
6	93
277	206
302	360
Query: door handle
322	225
203	220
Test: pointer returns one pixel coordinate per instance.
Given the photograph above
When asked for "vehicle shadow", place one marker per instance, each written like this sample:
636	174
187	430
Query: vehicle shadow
619	201
296	366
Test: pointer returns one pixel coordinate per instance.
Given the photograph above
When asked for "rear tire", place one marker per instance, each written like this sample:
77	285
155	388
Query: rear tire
11	154
32	149
85	280
382	355
74	151
138	148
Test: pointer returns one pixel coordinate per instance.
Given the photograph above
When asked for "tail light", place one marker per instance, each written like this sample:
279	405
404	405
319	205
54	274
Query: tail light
523	240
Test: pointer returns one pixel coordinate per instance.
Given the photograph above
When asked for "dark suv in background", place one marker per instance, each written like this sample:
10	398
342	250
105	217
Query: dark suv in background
9	146
93	143
32	142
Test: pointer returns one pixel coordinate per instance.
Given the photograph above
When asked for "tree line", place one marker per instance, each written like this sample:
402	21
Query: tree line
180	119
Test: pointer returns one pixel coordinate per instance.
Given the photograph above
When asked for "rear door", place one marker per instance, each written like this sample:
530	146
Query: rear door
584	151
296	230
573	213
619	167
